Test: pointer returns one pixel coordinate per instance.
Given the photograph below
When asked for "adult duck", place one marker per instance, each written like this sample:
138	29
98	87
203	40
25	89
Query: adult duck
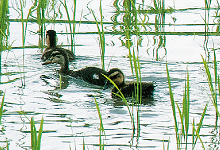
51	39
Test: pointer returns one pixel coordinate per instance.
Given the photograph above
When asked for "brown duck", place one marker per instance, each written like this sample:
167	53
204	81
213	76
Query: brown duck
92	75
51	39
127	88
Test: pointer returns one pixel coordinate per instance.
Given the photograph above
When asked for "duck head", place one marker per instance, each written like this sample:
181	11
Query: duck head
59	57
51	38
117	76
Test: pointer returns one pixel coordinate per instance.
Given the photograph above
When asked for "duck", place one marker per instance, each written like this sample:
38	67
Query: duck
126	88
91	75
51	39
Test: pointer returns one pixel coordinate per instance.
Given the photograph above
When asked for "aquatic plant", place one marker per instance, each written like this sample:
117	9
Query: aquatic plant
36	139
101	127
4	24
72	29
41	20
1	108
181	130
101	33
214	89
122	97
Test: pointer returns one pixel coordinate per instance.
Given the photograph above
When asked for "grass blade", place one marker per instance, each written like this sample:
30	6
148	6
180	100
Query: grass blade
173	107
102	131
36	140
40	134
1	108
123	99
33	135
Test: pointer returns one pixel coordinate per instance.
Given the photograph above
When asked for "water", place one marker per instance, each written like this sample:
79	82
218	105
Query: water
70	114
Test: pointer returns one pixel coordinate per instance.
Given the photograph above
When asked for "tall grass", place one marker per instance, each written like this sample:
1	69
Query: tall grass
101	32
4	23
213	86
41	20
72	29
101	127
120	95
1	108
36	139
131	24
182	126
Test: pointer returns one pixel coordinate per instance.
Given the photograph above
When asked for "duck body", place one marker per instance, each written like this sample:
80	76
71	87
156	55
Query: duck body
91	75
128	89
49	50
51	46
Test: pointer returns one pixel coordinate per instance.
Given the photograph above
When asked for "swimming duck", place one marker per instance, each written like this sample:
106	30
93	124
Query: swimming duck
127	88
51	46
92	75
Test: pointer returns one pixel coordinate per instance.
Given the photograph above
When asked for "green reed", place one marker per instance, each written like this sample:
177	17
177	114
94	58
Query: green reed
182	127
195	132
101	33
184	114
72	29
1	108
101	127
173	106
22	5
122	97
4	24
214	89
41	20
133	53
36	139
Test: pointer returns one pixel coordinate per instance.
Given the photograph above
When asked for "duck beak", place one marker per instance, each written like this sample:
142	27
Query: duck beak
47	62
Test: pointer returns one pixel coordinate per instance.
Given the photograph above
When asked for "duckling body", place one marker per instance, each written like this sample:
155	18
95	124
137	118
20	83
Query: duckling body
51	46
128	89
92	75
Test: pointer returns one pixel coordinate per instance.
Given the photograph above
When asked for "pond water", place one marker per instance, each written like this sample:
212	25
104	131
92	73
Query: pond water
69	111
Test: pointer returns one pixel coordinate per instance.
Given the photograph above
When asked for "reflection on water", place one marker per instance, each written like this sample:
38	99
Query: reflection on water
67	104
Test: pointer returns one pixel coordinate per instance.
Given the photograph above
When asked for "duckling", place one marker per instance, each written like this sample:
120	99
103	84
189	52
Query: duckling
92	75
51	46
127	88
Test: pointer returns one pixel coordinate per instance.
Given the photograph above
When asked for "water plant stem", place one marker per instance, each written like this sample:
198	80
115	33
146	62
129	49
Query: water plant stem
101	127
101	33
3	26
173	107
72	31
1	108
36	139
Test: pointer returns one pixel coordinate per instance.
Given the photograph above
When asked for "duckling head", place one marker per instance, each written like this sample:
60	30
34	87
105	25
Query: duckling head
51	38
117	76
58	57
